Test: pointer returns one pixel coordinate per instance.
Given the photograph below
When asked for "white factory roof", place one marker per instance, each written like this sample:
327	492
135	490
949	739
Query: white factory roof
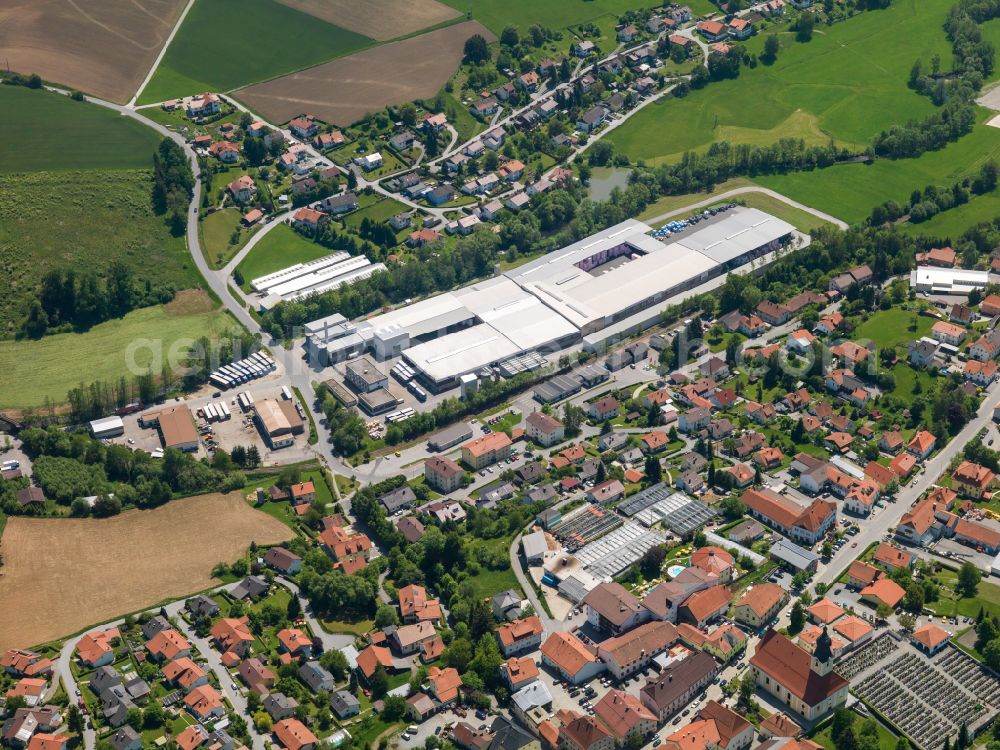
947	279
558	267
739	231
515	313
107	423
586	298
423	317
265	283
464	351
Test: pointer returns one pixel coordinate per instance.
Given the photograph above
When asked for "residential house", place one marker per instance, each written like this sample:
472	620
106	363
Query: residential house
570	658
283	560
315	676
760	604
612	609
677	684
519	636
972	480
625	715
443	474
631	652
703	607
921	445
544	429
344	704
804	525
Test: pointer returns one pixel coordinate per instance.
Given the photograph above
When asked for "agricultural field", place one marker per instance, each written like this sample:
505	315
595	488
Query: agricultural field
52	365
850	191
76	135
345	90
261	39
555	14
280	248
379	19
104	48
83	219
847	84
57	571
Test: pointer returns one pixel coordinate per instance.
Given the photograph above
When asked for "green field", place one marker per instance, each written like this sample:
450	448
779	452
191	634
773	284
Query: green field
225	44
217	229
282	247
40	130
847	84
850	191
379	210
555	14
49	367
82	220
951	224
892	327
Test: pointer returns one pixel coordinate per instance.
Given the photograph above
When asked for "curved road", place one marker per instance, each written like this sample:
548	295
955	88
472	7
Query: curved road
743	191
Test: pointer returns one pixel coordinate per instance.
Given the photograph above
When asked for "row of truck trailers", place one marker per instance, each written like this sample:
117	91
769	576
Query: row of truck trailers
405	375
257	365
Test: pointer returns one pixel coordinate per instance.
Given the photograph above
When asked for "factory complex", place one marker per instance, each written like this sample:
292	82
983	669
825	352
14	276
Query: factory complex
553	302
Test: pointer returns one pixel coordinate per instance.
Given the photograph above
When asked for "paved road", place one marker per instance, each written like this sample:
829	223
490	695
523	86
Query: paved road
743	191
163	51
331	641
207	651
875	528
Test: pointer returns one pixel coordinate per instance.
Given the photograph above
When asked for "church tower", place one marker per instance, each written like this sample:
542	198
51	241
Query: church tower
822	656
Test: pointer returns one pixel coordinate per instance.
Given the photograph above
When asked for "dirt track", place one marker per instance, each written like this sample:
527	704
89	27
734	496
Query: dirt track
345	90
102	47
61	575
378	19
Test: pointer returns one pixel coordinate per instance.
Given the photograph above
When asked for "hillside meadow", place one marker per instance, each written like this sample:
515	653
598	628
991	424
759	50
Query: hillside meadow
850	191
848	83
41	130
48	368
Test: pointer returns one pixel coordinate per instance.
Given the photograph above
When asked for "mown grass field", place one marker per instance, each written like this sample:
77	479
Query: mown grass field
217	229
892	327
50	366
40	130
82	220
225	44
282	247
847	84
850	191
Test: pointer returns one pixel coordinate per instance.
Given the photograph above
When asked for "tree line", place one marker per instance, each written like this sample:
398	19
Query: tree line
73	465
98	398
74	301
173	185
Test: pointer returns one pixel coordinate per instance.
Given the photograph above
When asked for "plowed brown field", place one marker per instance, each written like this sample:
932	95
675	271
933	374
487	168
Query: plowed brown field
345	90
61	575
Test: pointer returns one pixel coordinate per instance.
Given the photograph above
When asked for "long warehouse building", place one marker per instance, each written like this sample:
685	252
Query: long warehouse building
554	301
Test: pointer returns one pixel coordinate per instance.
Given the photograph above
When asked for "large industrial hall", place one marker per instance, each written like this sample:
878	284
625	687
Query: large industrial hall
552	302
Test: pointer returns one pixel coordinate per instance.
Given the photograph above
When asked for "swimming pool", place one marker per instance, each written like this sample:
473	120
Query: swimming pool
675	570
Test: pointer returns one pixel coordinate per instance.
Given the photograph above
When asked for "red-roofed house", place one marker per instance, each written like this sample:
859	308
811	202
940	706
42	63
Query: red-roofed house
883	591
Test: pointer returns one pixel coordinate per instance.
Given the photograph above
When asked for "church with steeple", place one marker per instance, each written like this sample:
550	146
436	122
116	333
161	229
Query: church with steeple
807	683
